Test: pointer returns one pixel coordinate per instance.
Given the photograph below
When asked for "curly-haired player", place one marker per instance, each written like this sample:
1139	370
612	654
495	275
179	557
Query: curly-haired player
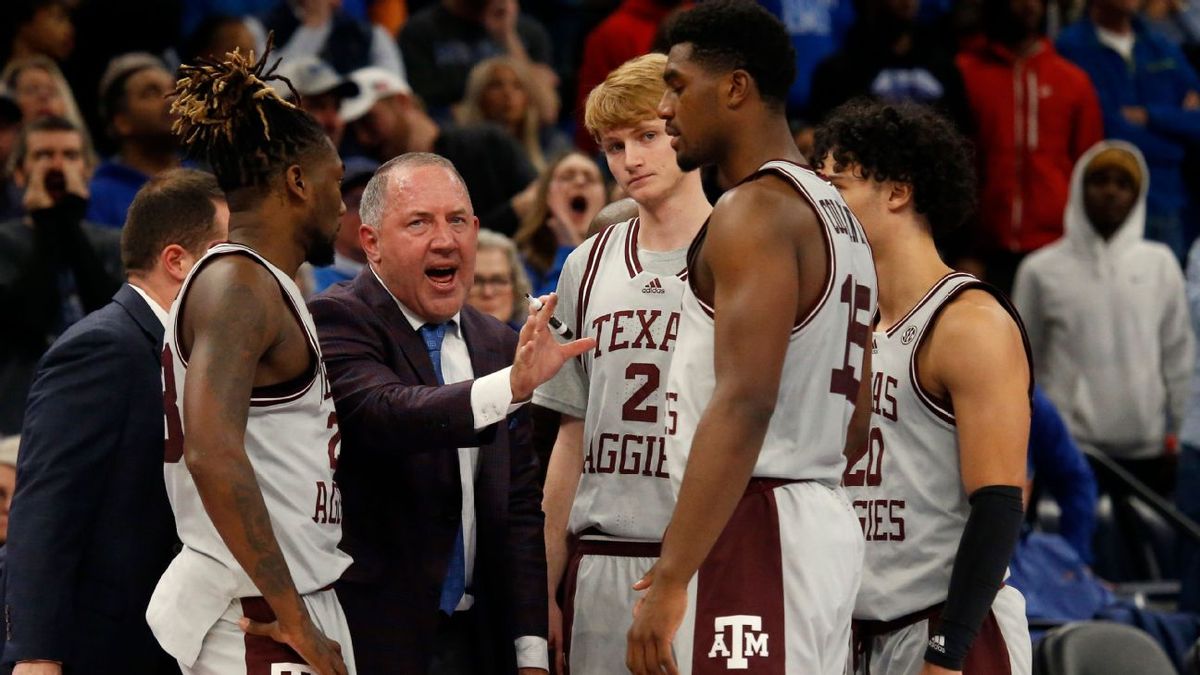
252	438
938	488
762	557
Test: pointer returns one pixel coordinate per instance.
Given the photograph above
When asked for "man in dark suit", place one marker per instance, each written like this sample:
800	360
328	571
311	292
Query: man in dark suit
437	474
91	530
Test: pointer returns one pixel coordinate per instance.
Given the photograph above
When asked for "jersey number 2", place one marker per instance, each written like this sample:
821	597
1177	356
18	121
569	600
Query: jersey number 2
632	410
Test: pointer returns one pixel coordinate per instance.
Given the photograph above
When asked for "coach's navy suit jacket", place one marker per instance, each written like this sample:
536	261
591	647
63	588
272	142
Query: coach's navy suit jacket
401	491
91	529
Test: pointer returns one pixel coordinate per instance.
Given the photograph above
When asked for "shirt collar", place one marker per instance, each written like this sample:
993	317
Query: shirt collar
413	320
159	312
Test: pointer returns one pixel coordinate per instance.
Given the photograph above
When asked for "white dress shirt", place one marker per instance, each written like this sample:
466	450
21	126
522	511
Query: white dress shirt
491	402
159	312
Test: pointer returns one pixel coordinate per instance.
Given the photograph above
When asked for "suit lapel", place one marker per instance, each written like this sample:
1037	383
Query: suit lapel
135	305
410	344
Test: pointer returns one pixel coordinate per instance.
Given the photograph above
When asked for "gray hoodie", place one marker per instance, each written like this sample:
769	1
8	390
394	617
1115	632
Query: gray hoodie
1108	325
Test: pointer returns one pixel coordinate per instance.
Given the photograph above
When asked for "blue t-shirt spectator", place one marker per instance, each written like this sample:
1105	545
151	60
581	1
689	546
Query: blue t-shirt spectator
1056	461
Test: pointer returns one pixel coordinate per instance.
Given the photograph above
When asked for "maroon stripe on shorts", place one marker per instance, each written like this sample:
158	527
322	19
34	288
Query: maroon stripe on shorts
578	549
988	654
263	652
739	591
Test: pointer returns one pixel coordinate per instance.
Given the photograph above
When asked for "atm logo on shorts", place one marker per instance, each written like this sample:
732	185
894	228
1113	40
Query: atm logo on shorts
745	640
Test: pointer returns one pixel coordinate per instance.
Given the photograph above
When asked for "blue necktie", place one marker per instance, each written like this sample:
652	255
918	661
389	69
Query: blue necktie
455	583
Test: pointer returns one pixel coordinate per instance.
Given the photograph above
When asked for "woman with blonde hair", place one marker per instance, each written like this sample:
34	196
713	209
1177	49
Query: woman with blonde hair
570	192
500	280
498	91
40	90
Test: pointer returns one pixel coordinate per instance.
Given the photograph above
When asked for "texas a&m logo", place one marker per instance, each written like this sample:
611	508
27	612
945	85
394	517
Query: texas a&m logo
745	640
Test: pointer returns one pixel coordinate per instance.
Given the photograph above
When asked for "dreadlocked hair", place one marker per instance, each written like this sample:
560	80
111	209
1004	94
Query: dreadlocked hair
230	118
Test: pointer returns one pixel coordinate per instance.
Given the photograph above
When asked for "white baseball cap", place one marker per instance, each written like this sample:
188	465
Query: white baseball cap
312	77
374	85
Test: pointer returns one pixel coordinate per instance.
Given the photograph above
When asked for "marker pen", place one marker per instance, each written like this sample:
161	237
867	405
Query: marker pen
555	324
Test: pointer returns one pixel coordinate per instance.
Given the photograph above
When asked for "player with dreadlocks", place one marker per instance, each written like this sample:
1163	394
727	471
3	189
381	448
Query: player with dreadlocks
248	406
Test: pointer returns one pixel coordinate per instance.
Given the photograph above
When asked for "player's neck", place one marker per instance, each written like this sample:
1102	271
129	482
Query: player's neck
269	237
672	223
907	267
755	144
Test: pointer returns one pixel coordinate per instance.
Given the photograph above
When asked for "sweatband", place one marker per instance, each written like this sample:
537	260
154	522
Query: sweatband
983	554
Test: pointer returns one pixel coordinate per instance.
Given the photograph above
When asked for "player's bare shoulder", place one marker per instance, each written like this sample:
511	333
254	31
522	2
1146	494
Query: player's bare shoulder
975	334
231	290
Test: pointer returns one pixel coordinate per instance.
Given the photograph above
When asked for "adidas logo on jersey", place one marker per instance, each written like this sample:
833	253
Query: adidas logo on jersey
655	286
938	643
745	640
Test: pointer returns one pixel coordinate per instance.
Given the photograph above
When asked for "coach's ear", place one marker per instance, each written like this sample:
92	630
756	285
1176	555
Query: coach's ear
176	261
368	238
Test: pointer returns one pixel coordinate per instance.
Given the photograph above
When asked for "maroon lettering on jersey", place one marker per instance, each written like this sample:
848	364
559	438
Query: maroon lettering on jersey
844	380
618	329
671	333
881	394
173	445
872	473
644	337
881	519
328	506
627	454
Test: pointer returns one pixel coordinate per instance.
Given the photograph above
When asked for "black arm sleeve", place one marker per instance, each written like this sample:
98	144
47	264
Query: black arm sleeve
983	554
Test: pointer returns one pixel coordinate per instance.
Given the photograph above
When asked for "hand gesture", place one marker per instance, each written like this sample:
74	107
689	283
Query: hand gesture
37	197
76	180
318	651
539	355
656	618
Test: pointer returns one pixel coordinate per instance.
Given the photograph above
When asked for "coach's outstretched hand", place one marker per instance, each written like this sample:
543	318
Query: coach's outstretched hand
318	651
656	618
539	355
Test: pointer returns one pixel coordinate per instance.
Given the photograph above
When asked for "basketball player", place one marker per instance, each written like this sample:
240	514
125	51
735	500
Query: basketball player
623	287
938	491
252	438
761	560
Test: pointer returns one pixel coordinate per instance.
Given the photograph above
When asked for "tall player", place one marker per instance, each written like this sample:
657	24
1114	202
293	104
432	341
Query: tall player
761	561
938	491
252	438
623	287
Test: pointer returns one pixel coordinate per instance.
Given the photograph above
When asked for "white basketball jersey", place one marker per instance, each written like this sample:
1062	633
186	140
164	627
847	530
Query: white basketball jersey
625	489
823	364
292	441
907	490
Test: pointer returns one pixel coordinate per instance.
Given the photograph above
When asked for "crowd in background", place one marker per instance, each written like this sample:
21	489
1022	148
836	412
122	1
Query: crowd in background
498	88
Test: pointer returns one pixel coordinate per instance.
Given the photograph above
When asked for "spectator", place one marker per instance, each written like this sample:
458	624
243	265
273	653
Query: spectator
441	44
348	256
1150	97
10	130
322	29
1058	465
93	451
8	485
218	35
404	354
1107	318
39	88
817	30
1034	113
500	281
888	56
570	192
1187	484
136	110
322	91
626	33
54	267
498	91
36	27
385	120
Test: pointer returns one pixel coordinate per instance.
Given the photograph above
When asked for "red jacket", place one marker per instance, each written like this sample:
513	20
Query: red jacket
1034	116
628	32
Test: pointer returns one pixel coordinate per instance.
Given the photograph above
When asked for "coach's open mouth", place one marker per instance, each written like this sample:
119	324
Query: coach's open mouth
441	276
